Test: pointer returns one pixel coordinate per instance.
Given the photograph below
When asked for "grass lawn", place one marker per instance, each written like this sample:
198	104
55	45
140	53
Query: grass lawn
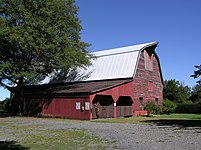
23	137
180	116
151	119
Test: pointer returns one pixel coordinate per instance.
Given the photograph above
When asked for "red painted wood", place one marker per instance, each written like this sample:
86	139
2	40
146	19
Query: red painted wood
66	108
140	113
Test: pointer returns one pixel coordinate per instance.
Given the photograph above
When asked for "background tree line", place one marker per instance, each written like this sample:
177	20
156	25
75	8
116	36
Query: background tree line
187	100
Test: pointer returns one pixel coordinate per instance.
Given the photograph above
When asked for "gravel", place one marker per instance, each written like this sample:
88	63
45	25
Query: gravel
123	136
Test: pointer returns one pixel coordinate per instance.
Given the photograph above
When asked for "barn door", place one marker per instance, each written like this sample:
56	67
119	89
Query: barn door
103	107
124	106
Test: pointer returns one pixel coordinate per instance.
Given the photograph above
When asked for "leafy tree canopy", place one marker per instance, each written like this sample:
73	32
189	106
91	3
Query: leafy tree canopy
196	93
38	37
197	73
175	91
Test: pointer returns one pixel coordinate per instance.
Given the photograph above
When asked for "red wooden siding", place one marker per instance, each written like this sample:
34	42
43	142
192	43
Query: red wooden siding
66	108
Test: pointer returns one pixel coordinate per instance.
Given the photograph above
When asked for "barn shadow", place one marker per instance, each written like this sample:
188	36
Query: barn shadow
11	145
175	123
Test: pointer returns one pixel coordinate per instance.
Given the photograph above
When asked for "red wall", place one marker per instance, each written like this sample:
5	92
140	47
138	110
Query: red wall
66	108
141	82
122	90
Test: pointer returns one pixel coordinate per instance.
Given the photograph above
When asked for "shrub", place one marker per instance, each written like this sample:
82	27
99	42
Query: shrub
168	107
152	108
194	108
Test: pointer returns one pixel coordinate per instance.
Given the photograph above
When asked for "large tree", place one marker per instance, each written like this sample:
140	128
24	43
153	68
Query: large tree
38	37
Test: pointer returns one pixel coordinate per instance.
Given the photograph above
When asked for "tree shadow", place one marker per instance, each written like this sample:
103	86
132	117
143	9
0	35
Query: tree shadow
4	114
11	145
175	123
69	75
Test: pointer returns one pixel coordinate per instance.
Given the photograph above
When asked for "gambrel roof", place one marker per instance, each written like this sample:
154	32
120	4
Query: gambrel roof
118	63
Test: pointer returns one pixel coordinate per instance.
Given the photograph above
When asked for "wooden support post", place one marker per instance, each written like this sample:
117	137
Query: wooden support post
115	110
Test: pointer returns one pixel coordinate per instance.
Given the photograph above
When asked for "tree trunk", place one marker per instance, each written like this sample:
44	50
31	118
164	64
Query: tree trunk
17	104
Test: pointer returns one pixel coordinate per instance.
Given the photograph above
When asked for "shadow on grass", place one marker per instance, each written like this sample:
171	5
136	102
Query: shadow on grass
177	122
11	145
3	114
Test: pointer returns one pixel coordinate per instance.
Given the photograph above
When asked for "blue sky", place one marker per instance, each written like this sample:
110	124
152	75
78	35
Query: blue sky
175	24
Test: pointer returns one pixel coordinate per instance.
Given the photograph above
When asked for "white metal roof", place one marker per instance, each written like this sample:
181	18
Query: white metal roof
126	49
115	63
112	64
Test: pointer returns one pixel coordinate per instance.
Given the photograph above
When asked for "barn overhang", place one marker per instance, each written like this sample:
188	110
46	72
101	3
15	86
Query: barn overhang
73	89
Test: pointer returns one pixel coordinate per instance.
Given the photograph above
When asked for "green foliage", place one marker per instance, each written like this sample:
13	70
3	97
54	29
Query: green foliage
38	37
152	108
187	101
194	108
176	91
5	105
196	94
168	107
197	73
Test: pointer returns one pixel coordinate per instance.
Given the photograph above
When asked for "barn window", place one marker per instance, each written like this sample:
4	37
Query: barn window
148	59
141	101
150	86
87	106
77	106
156	101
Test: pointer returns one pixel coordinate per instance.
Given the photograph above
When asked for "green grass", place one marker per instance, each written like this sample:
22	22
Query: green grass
180	116
40	138
62	139
145	120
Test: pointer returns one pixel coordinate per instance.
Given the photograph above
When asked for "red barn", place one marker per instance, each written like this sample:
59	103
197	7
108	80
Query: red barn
118	83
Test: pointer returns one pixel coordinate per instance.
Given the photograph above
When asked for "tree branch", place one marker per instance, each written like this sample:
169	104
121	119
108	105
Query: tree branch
5	86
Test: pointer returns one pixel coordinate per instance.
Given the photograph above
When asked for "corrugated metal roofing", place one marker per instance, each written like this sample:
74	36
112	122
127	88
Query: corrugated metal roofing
113	66
115	63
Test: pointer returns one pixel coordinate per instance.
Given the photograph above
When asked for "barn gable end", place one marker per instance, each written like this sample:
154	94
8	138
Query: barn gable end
148	81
